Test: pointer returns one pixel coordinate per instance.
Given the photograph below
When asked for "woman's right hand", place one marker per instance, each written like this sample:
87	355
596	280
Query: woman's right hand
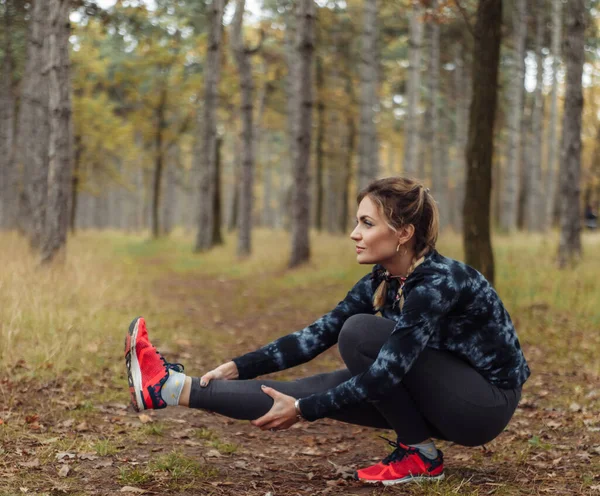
226	371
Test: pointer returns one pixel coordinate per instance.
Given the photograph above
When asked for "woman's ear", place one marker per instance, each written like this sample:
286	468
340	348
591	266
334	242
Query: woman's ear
406	233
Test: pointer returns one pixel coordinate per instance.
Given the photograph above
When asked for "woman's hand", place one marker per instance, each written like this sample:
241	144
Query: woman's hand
282	414
226	371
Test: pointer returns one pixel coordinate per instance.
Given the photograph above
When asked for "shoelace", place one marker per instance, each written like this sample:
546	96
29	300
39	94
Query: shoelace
175	367
400	451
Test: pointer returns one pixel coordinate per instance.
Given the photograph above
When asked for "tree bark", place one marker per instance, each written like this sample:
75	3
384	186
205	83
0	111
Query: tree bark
217	236
439	166
158	162
60	146
319	152
553	142
33	128
205	238
535	207
368	144
480	147
243	58
508	214
462	86
411	122
569	249
300	199
8	196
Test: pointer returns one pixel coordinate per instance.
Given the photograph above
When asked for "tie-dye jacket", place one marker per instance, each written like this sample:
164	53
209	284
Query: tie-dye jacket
448	306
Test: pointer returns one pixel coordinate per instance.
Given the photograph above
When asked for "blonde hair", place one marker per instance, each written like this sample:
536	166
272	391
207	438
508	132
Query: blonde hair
403	201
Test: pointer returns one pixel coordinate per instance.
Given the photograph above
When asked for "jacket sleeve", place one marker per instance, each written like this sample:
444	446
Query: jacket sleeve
418	320
305	344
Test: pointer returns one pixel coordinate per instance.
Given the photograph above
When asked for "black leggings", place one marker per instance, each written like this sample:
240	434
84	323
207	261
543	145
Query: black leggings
441	396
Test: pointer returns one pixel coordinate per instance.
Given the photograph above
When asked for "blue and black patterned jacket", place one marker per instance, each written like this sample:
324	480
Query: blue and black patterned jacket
448	306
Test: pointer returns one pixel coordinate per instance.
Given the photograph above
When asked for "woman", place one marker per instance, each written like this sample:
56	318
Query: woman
443	361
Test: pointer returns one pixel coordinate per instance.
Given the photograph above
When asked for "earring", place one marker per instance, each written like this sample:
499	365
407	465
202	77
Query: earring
398	247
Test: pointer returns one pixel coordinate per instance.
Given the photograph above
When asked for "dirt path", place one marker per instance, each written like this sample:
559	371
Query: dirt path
101	449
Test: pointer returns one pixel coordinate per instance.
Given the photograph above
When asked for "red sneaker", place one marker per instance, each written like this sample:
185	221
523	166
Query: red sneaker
404	464
147	370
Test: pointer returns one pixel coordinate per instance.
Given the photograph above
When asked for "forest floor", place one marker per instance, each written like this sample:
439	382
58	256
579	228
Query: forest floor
66	426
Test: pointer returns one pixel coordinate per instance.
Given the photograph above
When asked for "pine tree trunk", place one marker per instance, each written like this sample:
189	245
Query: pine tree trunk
439	165
242	57
462	86
368	144
158	163
304	104
217	237
569	249
291	84
320	138
8	196
510	196
33	127
205	238
535	207
411	126
552	143
60	150
480	147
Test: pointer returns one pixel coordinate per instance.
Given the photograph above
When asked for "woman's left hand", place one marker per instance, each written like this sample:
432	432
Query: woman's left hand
281	415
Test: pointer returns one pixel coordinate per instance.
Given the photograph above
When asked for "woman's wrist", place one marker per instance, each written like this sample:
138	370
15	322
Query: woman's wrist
298	411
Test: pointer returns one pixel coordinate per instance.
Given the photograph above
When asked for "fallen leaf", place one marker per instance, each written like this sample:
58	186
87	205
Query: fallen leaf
64	471
82	427
575	407
310	452
213	453
63	455
67	423
32	464
104	464
131	489
144	419
87	456
30	419
344	471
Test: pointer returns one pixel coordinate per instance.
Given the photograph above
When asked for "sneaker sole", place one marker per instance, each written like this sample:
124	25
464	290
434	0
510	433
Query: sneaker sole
404	480
134	374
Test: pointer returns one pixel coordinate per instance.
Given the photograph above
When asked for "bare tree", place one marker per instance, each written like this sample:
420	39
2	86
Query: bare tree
8	199
303	104
206	218
480	147
411	122
552	142
510	195
534	205
569	248
439	166
60	149
243	56
368	144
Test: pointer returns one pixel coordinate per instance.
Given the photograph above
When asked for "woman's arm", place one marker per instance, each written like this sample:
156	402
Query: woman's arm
305	344
423	308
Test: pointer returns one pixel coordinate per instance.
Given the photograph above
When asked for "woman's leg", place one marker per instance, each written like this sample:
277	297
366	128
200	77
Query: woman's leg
245	400
441	396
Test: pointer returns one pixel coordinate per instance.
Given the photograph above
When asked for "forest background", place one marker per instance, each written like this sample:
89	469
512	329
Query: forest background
136	136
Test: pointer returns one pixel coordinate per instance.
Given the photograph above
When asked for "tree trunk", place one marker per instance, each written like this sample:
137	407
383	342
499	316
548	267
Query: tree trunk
75	183
217	237
569	249
411	122
60	149
33	127
8	196
508	215
242	57
291	89
480	147
158	162
439	166
319	145
351	137
552	142
169	204
304	104
462	86
207	227
368	144
535	207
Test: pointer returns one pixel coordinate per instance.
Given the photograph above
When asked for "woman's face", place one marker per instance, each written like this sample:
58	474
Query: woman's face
375	241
